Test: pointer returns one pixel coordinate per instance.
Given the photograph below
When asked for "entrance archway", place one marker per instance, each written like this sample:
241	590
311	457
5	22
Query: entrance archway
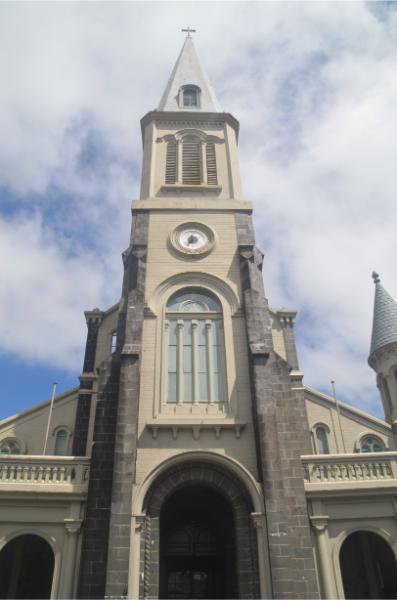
368	566
198	539
197	545
26	568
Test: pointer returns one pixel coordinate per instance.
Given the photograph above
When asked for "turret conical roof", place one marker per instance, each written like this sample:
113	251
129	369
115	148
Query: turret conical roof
188	71
384	327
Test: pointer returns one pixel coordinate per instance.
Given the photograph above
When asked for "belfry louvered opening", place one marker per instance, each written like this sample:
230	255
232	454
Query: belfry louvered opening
171	162
212	178
191	160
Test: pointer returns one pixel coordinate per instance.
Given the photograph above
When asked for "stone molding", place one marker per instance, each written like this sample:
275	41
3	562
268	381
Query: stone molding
383	353
319	523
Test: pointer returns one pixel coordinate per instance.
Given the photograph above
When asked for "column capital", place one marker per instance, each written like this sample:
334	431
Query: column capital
319	523
257	519
139	522
73	526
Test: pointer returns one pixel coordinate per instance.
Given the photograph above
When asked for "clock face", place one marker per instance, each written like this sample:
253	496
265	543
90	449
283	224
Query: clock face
192	239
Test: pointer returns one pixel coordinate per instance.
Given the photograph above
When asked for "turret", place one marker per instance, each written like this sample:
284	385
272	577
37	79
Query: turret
383	352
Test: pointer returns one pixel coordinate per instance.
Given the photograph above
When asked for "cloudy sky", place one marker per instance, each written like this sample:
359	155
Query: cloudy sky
314	86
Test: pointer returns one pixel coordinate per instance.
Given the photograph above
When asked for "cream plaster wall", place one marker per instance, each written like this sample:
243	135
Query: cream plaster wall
107	328
220	270
54	519
30	426
342	514
155	146
347	428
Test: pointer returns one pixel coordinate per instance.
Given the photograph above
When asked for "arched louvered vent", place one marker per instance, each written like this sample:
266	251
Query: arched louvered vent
211	164
191	160
171	162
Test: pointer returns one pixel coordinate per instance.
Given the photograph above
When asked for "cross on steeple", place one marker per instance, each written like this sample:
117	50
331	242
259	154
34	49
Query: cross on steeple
188	31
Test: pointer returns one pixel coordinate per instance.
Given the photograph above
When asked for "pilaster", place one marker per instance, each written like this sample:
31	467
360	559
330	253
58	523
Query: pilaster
130	334
282	435
83	411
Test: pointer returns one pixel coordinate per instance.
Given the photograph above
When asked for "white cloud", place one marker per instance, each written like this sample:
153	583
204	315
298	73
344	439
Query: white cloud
42	293
314	86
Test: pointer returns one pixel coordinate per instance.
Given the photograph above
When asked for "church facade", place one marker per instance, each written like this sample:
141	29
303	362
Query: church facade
192	461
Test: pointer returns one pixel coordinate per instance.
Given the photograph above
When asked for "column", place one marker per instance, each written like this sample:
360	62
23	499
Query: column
319	525
137	523
265	580
70	552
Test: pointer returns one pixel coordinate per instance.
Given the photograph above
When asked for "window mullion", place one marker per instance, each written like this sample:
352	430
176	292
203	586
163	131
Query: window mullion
195	391
180	360
210	362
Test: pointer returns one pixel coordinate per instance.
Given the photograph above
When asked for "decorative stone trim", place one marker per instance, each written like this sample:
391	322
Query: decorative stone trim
208	232
319	523
383	353
225	484
73	526
196	428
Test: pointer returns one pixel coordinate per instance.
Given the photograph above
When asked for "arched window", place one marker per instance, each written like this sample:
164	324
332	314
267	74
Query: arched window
190	96
321	440
61	442
195	348
371	443
10	447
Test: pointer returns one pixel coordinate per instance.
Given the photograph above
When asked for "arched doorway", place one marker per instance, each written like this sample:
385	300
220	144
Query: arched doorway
197	545
198	537
368	566
26	568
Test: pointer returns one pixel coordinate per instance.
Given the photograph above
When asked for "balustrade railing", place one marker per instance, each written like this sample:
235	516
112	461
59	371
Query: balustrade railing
44	470
345	468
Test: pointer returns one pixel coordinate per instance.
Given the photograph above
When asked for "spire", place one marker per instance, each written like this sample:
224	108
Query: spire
384	327
188	72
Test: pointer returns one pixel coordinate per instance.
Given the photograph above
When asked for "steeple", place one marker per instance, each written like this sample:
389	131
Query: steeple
384	328
383	352
188	76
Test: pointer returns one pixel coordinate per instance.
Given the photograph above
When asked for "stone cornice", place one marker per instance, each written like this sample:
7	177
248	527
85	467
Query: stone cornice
382	353
177	120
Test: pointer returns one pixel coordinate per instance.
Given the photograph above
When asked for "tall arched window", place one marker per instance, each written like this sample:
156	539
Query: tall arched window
322	440
195	348
61	442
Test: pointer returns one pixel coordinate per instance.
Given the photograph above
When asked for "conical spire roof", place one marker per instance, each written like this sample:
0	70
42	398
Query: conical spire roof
188	71
384	327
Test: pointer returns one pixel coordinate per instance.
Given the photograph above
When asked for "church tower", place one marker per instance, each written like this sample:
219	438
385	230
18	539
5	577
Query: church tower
196	418
383	352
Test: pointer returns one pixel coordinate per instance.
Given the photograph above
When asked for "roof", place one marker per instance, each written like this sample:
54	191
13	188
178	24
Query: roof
188	71
384	326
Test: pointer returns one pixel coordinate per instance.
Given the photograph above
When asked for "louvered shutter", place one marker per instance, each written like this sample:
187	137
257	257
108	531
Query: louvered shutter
212	178
191	160
171	162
